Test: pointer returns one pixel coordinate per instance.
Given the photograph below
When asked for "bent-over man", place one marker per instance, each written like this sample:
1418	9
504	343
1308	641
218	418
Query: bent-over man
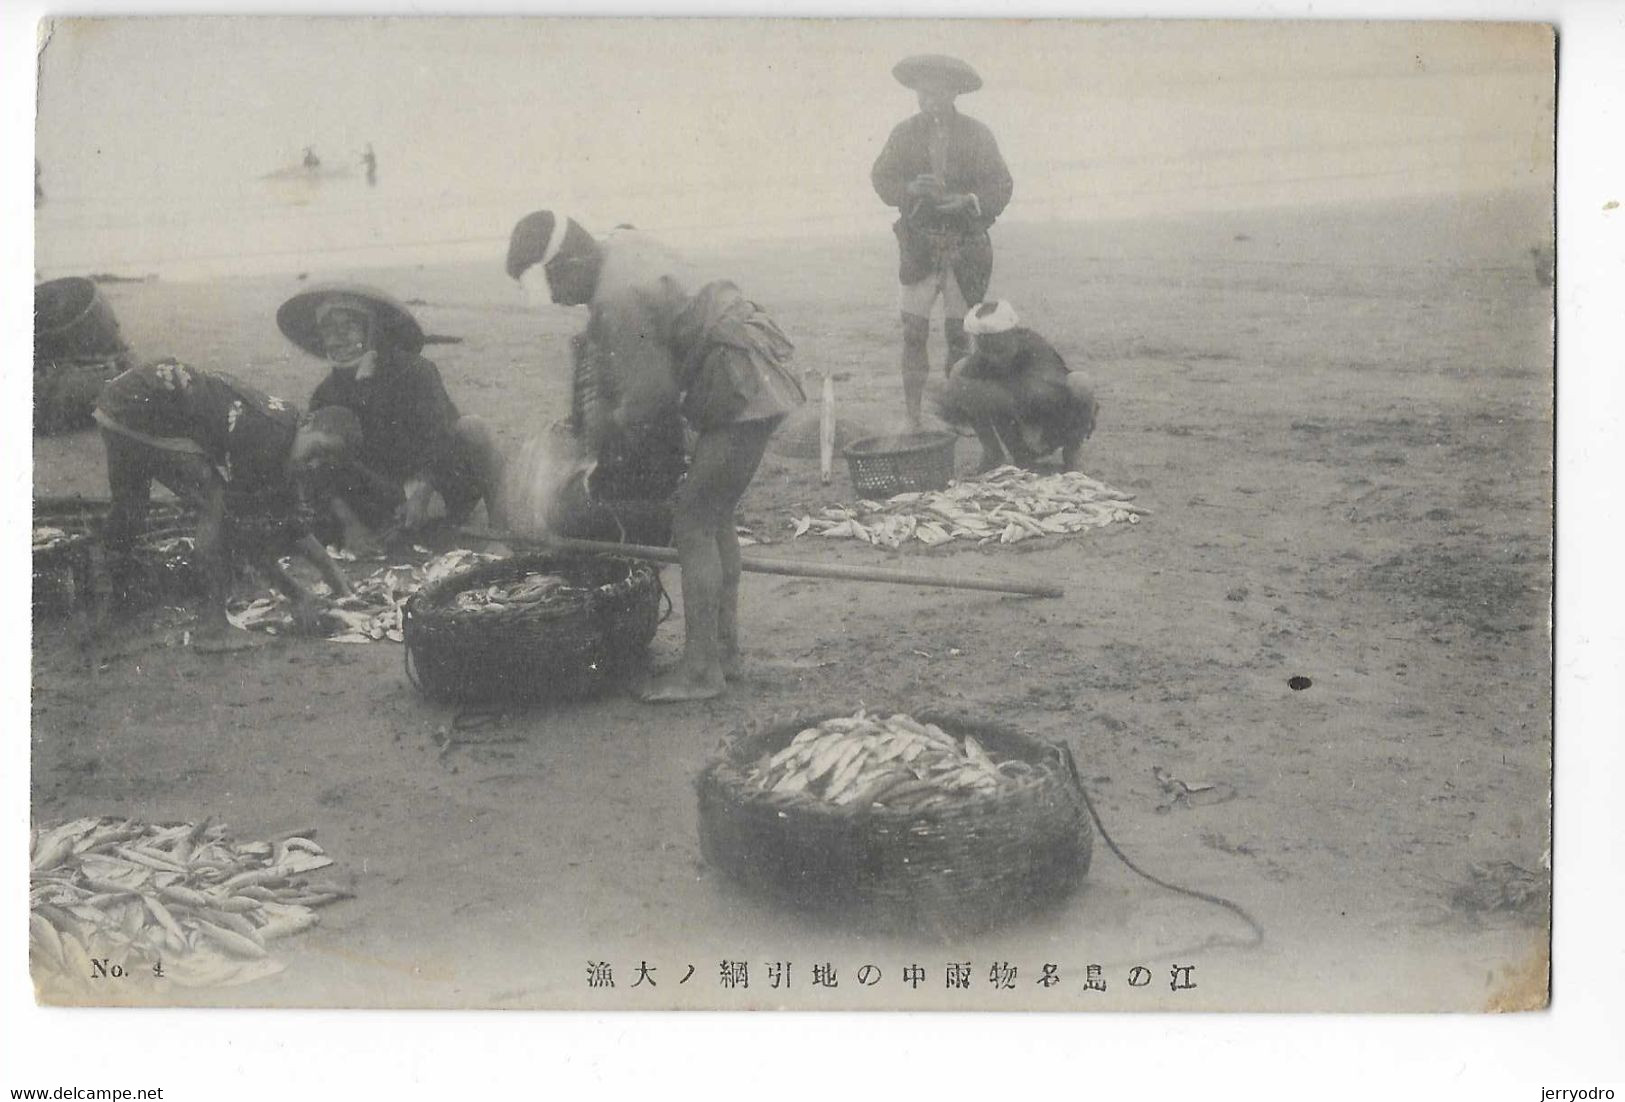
233	451
667	349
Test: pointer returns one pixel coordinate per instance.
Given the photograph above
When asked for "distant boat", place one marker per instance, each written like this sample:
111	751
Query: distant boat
321	172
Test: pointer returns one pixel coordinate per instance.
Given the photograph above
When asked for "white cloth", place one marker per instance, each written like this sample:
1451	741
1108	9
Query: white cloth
1000	319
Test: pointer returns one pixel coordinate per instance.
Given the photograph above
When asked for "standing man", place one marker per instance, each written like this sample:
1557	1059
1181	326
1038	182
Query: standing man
660	349
370	160
943	172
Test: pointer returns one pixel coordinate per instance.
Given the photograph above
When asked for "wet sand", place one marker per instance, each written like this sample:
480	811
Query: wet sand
1341	421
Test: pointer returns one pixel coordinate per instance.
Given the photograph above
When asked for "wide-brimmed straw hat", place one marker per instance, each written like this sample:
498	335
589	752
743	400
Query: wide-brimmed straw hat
396	325
957	75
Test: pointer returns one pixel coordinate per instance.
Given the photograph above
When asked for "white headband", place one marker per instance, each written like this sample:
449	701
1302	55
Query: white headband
1001	319
555	240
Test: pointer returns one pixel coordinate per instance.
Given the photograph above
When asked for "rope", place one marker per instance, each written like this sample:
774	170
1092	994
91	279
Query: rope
411	674
664	597
473	718
1218	901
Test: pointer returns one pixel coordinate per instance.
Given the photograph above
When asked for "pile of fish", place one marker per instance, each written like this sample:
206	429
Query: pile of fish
181	903
529	589
176	548
894	762
1006	505
374	613
46	538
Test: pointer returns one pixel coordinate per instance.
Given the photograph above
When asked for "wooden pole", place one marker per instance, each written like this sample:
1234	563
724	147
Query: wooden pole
787	567
826	433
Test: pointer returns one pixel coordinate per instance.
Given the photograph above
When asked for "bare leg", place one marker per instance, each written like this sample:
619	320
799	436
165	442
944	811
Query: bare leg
129	480
313	551
358	538
916	366
992	447
988	408
477	472
307	611
698	674
1008	428
1088	411
728	606
216	635
953	331
725	460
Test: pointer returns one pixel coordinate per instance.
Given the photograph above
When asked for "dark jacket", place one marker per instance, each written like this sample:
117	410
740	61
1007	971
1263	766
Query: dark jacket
405	413
975	167
243	432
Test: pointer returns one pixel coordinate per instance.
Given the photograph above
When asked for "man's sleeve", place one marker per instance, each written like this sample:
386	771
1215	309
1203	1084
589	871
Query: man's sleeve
890	174
993	183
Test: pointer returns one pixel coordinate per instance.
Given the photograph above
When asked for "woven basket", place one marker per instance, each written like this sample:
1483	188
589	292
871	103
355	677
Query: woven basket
64	575
960	868
65	391
572	644
885	465
67	575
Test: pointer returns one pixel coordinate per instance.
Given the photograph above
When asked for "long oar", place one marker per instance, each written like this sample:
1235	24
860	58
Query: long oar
788	567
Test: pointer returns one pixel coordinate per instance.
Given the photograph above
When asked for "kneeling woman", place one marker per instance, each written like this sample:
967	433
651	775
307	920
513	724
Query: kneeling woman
665	350
414	442
1017	393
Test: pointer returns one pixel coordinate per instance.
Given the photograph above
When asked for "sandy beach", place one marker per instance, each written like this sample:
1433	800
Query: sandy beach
1340	420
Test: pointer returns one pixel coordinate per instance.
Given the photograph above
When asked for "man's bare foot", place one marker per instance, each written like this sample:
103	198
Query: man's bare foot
680	684
732	668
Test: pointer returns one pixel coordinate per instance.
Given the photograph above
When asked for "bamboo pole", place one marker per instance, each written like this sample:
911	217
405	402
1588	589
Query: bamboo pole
826	433
787	567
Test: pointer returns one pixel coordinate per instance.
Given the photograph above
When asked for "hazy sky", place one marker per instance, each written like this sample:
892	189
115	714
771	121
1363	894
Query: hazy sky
686	122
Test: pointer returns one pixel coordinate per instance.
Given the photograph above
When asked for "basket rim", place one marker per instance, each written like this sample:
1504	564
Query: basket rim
928	441
431	607
468	654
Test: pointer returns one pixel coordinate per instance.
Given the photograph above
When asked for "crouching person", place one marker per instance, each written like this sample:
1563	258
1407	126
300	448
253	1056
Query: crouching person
1016	393
414	442
225	447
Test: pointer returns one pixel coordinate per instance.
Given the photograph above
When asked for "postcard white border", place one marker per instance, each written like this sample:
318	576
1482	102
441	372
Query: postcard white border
318	1055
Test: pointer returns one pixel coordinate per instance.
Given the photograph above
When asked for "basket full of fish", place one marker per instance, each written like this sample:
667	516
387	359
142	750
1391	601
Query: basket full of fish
530	628
891	821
